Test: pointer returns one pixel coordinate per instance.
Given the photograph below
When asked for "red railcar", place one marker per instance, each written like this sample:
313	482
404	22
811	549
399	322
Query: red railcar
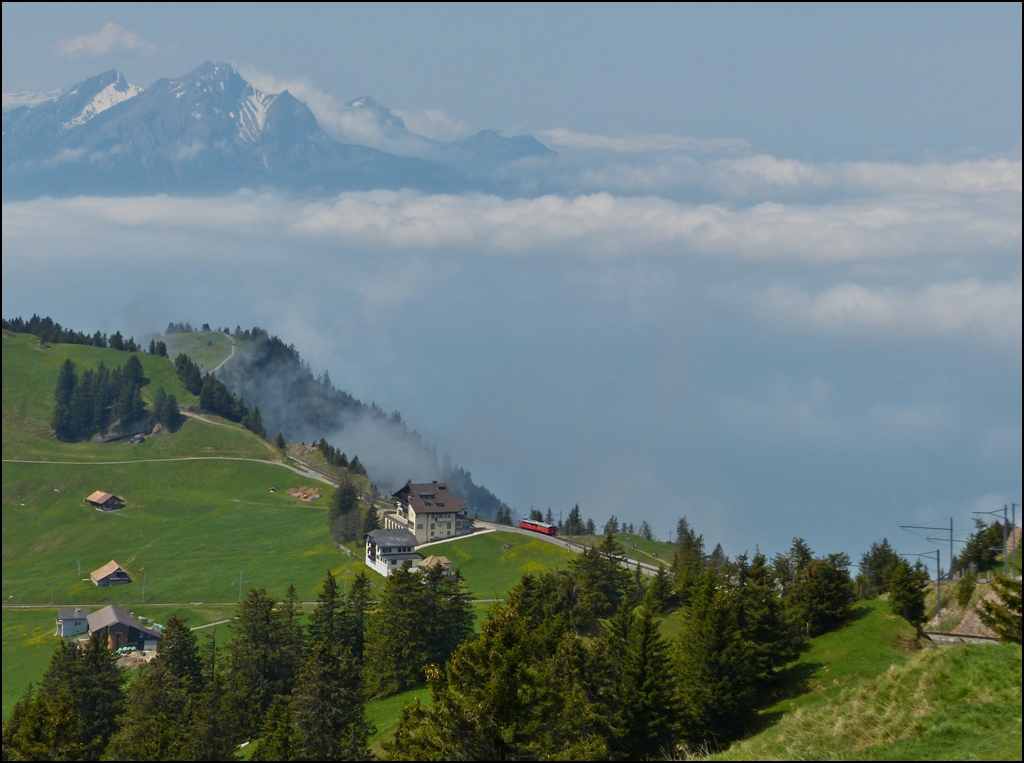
539	527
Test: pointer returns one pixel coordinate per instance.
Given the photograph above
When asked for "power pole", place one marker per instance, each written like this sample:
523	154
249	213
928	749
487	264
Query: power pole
51	590
949	530
239	586
143	587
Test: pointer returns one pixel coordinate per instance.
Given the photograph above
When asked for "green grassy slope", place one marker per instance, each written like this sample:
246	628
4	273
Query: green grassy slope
490	570
863	692
207	348
30	375
190	526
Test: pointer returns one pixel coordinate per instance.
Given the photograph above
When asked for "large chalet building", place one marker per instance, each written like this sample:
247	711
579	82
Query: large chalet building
430	511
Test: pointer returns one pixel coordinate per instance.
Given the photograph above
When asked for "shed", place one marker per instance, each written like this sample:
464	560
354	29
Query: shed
121	629
104	501
71	622
433	561
110	573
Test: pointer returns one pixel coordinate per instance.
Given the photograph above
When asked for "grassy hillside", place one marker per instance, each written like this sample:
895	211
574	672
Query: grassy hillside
30	375
207	348
490	569
864	692
190	526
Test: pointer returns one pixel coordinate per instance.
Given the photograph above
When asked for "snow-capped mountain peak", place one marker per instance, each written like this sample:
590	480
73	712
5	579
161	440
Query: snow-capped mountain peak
112	94
252	114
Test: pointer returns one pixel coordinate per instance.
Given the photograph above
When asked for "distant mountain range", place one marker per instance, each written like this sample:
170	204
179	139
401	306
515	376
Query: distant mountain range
211	131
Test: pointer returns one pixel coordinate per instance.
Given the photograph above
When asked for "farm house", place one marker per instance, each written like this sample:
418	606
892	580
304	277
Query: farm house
104	501
121	629
109	574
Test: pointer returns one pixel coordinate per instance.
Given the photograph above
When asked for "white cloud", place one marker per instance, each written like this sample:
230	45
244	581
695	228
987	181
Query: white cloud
100	43
756	173
602	224
967	307
634	144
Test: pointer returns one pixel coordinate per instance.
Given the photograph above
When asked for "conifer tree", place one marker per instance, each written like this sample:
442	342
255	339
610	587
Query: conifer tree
397	635
279	441
254	673
61	421
907	587
343	516
326	622
75	710
155	724
277	734
1003	615
357	608
716	667
649	715
327	707
178	653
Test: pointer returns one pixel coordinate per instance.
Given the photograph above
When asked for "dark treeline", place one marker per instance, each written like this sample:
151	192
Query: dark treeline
215	397
306	408
335	457
90	403
573	664
298	691
49	330
102	398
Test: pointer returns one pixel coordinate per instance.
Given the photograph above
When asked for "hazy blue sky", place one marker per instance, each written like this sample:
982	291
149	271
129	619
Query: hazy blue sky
777	286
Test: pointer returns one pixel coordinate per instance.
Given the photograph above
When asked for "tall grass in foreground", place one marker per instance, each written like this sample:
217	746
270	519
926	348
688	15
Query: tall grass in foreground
960	703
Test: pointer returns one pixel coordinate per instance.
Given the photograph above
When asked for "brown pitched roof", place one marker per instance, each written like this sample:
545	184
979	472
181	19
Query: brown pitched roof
430	561
107	569
431	498
100	497
111	615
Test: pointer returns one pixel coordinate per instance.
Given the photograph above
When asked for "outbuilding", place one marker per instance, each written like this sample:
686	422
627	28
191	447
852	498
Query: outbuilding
72	622
110	573
119	629
104	501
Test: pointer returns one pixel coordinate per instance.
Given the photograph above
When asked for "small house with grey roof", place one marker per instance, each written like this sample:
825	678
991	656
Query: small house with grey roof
388	550
72	622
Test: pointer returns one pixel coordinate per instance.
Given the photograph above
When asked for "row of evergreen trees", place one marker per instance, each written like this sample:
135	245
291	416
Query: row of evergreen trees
346	520
93	401
215	397
575	524
49	330
299	689
337	458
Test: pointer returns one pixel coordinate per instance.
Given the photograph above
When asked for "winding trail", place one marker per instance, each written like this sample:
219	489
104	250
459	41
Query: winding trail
229	357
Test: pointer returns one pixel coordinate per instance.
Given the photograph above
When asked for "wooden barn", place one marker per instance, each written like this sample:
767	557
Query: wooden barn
110	573
104	501
119	629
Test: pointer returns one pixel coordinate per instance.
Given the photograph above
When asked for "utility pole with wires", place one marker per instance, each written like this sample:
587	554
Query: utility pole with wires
944	529
996	514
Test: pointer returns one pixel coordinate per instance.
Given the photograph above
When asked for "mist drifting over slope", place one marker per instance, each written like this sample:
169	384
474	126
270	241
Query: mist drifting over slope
305	407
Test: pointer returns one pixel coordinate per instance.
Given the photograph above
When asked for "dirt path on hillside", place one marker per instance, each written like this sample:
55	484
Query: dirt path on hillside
201	417
229	357
302	472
